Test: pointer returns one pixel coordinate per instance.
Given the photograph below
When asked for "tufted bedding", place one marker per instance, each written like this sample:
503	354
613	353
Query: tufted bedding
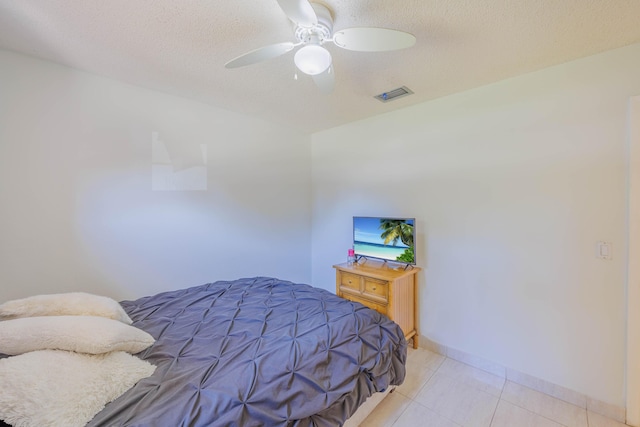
257	352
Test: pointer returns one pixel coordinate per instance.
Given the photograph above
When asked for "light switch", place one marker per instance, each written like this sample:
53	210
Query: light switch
603	250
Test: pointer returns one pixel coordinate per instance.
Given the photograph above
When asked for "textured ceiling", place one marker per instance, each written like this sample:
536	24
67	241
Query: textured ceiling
181	46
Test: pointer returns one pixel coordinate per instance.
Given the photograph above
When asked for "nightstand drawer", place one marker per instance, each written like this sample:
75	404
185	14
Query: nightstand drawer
350	281
380	308
378	288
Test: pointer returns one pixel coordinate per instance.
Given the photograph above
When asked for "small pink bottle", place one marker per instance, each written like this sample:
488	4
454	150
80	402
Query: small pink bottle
351	257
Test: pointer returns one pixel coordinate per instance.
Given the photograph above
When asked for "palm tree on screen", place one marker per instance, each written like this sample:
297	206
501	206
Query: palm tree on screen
394	230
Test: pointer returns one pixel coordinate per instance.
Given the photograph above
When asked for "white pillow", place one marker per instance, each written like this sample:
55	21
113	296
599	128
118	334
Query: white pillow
69	304
82	334
61	388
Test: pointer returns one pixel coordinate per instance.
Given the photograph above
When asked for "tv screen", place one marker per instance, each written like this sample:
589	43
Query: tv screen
389	239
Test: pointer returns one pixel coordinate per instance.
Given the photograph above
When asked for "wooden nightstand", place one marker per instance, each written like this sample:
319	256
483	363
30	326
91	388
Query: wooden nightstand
383	288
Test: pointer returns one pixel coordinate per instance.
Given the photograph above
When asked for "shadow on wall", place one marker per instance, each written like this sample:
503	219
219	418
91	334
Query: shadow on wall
177	164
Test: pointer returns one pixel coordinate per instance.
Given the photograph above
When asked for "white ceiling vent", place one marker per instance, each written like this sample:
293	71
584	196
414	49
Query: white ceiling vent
394	94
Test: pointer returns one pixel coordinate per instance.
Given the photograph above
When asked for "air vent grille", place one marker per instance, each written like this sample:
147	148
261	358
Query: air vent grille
394	94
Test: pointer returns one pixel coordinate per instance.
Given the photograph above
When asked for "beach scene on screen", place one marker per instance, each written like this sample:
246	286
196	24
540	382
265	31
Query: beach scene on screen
369	238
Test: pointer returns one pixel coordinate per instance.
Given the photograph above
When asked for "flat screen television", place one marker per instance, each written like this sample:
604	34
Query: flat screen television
389	239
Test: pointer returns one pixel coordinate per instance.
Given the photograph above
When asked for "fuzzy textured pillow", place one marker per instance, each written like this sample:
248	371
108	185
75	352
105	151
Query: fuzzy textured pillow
82	334
69	304
51	388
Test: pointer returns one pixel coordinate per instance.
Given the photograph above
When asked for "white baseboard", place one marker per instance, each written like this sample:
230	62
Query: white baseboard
608	410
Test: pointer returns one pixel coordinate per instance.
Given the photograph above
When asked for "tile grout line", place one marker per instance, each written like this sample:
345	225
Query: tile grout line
444	359
411	399
541	415
499	399
468	359
525	386
478	389
401	412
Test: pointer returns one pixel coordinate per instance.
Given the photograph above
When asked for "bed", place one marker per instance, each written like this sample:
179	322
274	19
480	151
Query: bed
257	352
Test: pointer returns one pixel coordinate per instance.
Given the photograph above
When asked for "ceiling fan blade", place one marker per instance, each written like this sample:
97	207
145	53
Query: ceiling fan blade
299	11
260	54
325	80
369	39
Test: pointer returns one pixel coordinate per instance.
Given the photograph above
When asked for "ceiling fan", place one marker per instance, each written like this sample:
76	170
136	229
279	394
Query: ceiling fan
314	28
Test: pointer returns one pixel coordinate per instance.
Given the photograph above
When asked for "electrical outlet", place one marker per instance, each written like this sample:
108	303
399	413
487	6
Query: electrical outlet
603	250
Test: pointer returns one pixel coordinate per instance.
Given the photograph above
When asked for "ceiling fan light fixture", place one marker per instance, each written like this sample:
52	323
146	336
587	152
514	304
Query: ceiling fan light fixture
312	59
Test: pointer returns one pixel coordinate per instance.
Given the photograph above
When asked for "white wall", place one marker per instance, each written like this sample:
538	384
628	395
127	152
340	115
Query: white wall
512	185
633	271
77	210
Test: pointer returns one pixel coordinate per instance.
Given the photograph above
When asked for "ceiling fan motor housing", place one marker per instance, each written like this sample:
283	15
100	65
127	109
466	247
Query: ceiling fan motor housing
317	33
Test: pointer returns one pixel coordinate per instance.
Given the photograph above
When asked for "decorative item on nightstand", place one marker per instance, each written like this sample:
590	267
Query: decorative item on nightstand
351	257
387	290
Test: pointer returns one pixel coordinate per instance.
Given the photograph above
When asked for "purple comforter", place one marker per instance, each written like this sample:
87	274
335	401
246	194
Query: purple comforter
257	352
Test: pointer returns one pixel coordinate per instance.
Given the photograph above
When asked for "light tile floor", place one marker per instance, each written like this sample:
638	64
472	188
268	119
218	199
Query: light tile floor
441	392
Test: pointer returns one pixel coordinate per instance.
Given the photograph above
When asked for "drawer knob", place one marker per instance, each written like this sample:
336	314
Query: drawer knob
349	281
374	288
